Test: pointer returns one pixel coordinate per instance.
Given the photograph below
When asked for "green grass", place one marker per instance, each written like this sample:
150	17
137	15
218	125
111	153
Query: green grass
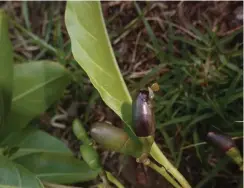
193	106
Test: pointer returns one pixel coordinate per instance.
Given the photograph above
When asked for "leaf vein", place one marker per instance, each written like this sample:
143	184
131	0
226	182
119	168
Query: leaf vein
38	86
91	60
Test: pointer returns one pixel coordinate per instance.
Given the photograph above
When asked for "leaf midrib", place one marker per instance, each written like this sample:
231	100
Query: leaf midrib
8	186
60	174
40	150
36	87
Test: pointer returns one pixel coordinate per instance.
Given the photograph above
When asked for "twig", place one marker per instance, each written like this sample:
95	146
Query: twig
134	52
181	15
138	74
204	143
184	30
229	32
158	20
35	38
123	35
127	29
58	117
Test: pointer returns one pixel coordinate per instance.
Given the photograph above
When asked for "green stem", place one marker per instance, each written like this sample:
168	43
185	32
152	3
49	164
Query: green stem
164	173
113	180
104	179
160	158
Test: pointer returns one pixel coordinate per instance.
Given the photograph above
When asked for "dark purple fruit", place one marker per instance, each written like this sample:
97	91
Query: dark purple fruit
143	116
223	142
227	145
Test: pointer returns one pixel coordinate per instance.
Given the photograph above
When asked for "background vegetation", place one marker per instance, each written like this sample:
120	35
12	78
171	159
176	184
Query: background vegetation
194	50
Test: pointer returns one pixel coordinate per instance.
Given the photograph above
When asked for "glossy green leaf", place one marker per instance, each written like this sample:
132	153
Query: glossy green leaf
13	175
33	141
37	85
92	50
6	68
57	168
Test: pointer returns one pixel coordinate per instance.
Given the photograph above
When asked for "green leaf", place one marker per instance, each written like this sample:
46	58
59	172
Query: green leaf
33	141
2	112
16	176
6	68
231	66
169	106
37	85
225	40
57	168
92	50
190	42
169	142
198	119
160	54
200	35
198	150
25	12
177	120
234	97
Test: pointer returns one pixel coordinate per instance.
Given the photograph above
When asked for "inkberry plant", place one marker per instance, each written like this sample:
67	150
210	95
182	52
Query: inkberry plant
92	50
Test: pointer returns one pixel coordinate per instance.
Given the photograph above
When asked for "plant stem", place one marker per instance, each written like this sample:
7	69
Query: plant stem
204	143
157	154
164	173
113	180
104	179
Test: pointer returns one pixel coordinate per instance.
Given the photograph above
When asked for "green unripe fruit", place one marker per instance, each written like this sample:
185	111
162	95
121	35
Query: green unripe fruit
235	155
80	132
115	139
90	156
